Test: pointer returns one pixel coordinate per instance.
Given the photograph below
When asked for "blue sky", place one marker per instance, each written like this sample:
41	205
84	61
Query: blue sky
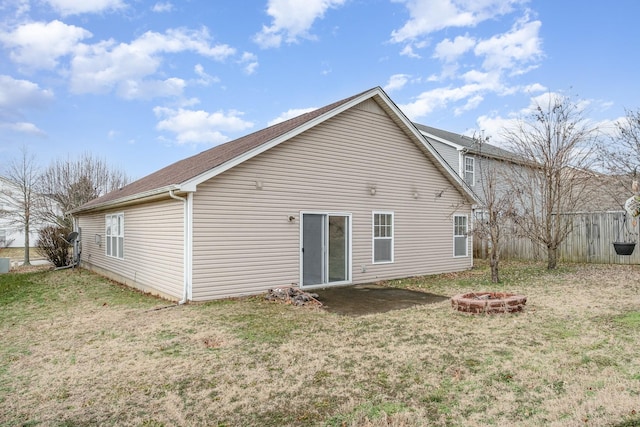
142	84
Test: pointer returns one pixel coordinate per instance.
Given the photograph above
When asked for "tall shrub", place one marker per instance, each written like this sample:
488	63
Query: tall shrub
53	246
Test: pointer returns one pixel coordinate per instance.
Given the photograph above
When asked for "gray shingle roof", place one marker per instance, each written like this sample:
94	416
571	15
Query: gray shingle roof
472	146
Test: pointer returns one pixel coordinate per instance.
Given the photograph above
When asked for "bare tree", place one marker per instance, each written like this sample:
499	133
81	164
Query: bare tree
620	156
21	197
72	183
558	142
490	220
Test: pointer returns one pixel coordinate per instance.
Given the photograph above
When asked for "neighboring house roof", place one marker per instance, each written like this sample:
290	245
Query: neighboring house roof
186	174
468	143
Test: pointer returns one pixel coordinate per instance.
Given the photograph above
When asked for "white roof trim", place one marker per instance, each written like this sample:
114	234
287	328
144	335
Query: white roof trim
443	140
128	199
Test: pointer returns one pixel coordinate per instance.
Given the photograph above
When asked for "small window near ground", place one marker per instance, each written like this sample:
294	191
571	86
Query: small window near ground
114	232
382	237
460	231
470	170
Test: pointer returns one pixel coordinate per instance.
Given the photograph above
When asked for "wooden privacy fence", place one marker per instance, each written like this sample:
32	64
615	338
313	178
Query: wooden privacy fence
591	240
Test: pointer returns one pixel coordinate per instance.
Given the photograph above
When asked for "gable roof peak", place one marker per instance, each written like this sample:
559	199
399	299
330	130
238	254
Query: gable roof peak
185	174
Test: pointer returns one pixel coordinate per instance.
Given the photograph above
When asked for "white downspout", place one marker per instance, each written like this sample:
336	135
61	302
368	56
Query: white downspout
461	166
188	203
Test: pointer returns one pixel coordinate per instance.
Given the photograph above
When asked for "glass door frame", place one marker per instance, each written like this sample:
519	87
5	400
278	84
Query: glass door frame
325	254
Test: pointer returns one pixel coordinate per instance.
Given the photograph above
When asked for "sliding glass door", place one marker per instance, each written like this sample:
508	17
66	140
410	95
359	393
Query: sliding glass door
325	249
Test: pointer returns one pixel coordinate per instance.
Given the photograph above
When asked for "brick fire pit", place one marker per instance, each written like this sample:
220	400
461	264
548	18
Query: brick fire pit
488	302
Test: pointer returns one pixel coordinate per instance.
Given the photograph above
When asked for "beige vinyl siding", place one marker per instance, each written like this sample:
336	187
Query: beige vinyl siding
243	242
153	247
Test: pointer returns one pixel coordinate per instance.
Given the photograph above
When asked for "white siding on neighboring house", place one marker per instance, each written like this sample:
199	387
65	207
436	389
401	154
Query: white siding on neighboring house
14	238
449	154
12	233
486	167
153	247
244	242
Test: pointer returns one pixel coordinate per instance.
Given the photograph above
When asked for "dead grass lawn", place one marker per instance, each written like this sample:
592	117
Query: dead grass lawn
79	350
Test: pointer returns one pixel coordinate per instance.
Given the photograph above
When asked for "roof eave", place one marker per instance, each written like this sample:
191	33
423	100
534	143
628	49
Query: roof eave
146	196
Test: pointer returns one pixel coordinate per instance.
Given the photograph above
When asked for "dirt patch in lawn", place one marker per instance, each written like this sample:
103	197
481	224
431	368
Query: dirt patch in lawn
360	300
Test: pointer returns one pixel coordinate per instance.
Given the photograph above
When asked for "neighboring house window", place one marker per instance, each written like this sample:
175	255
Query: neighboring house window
460	230
114	233
382	237
470	170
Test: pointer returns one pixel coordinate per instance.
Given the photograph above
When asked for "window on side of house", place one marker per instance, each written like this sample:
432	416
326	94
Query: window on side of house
114	233
460	232
382	237
470	170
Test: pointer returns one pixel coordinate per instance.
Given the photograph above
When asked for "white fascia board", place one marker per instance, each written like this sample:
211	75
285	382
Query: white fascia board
192	183
127	200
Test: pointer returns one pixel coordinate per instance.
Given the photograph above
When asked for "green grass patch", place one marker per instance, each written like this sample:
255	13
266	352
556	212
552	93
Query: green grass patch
629	320
366	412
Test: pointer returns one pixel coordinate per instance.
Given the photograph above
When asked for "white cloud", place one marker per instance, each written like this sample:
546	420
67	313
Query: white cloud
487	80
439	98
250	62
450	50
428	16
289	114
534	87
76	7
23	127
408	51
106	65
199	126
18	94
493	126
396	82
20	8
162	7
148	89
504	55
292	20
40	45
471	104
205	78
520	45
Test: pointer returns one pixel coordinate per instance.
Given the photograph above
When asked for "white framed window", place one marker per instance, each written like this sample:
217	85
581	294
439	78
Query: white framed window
470	170
460	235
382	237
114	234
